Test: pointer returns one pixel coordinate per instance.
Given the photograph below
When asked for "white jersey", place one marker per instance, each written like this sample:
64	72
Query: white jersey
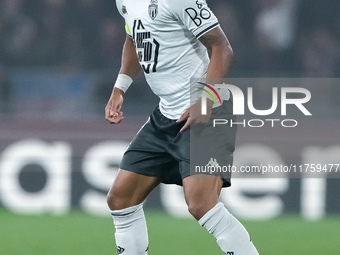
166	33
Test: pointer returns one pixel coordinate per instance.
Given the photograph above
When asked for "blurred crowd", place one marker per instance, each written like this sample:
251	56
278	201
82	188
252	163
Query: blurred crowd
79	33
269	37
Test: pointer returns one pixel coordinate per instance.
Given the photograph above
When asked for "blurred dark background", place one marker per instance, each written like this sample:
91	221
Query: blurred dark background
61	57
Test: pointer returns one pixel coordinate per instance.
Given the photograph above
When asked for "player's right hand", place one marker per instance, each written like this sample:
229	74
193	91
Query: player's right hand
113	113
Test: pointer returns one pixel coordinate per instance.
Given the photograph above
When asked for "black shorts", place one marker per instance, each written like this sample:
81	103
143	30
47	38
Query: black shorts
160	150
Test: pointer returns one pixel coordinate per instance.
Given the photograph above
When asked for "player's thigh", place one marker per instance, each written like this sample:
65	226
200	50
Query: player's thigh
201	193
130	189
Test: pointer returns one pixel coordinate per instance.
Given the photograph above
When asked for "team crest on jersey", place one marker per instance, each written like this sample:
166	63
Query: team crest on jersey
153	9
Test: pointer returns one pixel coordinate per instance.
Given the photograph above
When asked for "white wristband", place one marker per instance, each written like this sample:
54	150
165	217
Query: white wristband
123	82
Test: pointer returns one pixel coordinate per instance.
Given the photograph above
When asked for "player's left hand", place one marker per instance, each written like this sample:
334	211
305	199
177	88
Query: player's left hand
194	117
113	113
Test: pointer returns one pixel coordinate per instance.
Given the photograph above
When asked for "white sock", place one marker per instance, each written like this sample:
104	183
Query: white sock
230	234
131	231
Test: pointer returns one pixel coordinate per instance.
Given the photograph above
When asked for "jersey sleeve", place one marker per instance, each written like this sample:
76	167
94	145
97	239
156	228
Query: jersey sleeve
120	8
195	15
119	4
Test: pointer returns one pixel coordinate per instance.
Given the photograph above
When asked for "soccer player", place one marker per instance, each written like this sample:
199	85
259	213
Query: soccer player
170	41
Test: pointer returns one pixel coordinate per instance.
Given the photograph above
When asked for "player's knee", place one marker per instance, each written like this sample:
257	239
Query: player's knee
110	199
115	201
200	204
197	209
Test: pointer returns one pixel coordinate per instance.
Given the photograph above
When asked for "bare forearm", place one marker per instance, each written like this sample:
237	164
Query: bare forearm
130	64
128	71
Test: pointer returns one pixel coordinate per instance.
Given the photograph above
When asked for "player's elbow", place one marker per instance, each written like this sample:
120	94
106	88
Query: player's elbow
228	52
224	52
